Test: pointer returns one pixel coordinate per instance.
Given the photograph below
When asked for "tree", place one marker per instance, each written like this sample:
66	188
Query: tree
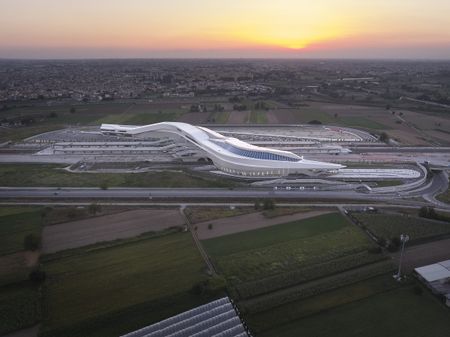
104	185
384	137
37	276
194	108
315	122
94	208
269	204
210	226
428	212
32	242
396	241
72	110
257	204
211	287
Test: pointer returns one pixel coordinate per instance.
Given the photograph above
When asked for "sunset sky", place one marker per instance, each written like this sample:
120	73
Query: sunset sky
232	28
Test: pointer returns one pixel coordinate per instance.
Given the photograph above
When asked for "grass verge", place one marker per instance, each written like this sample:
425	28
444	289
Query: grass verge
54	176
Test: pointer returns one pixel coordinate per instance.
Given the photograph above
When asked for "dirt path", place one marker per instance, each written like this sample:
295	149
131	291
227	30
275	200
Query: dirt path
237	117
106	228
424	254
248	222
30	332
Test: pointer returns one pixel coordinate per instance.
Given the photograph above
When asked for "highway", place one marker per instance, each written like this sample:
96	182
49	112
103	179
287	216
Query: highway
438	184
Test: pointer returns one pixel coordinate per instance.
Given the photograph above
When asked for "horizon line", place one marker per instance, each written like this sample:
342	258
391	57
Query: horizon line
188	58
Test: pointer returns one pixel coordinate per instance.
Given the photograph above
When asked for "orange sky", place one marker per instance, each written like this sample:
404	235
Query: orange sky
233	28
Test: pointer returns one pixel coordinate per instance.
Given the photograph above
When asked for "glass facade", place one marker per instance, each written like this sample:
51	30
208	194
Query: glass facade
255	154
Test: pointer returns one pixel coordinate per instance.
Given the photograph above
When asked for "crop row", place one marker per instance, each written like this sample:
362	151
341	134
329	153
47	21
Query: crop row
307	273
392	225
316	287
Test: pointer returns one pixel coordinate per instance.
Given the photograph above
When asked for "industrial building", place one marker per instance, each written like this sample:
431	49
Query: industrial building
437	278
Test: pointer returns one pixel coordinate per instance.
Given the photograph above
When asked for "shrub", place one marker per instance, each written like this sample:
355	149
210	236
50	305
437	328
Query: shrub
37	276
32	242
95	208
384	137
210	226
211	287
269	204
104	185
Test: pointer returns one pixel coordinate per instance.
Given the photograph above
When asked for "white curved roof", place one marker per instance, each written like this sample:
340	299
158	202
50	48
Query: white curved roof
229	147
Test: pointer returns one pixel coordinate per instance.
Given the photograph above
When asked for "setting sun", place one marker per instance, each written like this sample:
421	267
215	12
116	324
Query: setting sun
176	28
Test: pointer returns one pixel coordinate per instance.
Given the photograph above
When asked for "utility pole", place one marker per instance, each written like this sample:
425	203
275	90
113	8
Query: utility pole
404	238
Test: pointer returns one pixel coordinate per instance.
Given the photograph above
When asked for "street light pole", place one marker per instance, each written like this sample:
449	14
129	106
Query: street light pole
404	238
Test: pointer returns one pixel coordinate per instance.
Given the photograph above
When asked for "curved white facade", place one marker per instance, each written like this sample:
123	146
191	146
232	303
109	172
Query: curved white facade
231	155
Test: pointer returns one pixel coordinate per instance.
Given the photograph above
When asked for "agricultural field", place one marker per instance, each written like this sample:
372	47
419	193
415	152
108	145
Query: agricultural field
48	118
261	253
15	224
20	307
384	312
268	321
248	222
406	126
110	227
201	214
257	117
219	117
110	290
55	176
280	266
387	226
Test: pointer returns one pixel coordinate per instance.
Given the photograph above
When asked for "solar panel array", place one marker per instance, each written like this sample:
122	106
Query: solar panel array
214	319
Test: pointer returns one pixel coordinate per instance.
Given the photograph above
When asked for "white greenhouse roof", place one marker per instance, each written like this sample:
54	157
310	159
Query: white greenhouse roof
434	272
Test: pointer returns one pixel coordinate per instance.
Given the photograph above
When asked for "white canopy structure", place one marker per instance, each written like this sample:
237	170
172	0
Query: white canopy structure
232	155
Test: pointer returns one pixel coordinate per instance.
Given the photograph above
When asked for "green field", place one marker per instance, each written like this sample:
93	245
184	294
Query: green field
260	253
140	118
360	122
270	320
388	226
54	176
258	117
307	114
109	291
20	307
15	224
398	312
219	117
326	116
87	114
444	197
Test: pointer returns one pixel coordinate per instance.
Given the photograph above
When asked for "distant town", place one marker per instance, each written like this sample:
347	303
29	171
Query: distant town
347	81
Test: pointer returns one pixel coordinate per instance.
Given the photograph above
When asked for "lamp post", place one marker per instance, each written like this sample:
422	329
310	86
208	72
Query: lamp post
404	238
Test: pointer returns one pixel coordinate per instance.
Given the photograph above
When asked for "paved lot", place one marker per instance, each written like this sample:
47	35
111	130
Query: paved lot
106	228
247	222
